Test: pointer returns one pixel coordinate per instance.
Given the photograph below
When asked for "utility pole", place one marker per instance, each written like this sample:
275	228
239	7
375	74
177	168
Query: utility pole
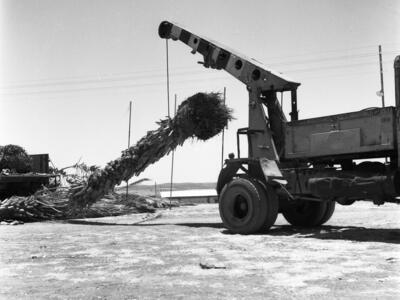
382	91
172	166
129	142
223	136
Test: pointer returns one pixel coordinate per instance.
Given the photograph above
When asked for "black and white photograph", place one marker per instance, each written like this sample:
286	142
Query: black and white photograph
183	149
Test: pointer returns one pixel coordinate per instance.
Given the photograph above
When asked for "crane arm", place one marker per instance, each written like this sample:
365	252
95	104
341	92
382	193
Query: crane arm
216	56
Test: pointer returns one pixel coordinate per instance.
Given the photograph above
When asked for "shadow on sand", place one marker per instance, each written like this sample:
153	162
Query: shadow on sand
349	233
143	224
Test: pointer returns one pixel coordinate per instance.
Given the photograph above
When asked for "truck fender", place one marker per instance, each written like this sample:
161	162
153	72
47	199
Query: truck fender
226	175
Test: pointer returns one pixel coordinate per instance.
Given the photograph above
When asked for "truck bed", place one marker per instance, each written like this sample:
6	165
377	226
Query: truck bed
366	133
22	184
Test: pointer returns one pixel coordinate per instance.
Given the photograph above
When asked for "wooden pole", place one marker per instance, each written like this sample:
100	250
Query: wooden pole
223	136
382	88
129	141
381	73
130	122
172	166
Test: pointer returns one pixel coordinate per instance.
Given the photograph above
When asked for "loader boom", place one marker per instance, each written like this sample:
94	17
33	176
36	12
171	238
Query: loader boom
216	56
265	134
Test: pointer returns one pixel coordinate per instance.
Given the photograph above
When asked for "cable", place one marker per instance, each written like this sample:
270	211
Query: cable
226	76
167	57
156	76
324	59
95	77
282	61
287	71
332	67
113	86
94	81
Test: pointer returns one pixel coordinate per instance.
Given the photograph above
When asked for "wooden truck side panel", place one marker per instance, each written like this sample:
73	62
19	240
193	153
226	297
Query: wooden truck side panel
26	184
363	132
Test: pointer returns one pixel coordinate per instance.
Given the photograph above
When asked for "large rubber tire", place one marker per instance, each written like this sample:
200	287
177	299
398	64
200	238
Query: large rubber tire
272	206
308	213
245	208
330	208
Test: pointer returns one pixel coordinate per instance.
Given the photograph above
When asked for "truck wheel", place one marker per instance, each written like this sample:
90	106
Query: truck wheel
308	213
245	208
330	208
272	206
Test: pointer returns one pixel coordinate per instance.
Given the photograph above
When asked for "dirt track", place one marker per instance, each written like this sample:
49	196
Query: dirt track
187	254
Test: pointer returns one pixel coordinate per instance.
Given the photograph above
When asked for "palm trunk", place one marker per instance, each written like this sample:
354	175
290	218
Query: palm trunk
201	116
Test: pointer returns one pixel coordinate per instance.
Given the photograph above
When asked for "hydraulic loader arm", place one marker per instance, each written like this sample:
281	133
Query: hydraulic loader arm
216	56
265	135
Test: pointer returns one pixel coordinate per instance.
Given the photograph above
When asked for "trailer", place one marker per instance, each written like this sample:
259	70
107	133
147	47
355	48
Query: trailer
26	184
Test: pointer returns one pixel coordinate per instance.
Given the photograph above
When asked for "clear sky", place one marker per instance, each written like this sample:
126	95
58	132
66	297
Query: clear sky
69	68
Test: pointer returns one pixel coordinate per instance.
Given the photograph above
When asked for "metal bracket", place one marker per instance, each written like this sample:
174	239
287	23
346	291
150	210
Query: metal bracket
271	171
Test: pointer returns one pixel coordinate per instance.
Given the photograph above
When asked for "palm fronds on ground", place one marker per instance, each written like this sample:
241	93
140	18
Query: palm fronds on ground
43	205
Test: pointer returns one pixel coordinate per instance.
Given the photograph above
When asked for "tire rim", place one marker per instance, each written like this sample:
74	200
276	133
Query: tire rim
240	207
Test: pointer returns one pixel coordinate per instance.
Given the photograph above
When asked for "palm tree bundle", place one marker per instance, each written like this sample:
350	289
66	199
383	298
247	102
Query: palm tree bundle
201	116
14	158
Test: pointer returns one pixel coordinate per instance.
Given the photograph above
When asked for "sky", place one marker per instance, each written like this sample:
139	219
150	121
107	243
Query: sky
68	70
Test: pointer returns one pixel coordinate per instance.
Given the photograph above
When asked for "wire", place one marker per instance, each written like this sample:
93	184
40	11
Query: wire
333	67
136	85
282	61
112	87
93	81
177	82
181	74
167	57
325	59
94	77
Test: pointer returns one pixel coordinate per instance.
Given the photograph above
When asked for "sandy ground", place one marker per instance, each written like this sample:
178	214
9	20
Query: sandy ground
185	253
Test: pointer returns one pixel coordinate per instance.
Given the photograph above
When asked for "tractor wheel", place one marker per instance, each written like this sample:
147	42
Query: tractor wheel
245	208
308	213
